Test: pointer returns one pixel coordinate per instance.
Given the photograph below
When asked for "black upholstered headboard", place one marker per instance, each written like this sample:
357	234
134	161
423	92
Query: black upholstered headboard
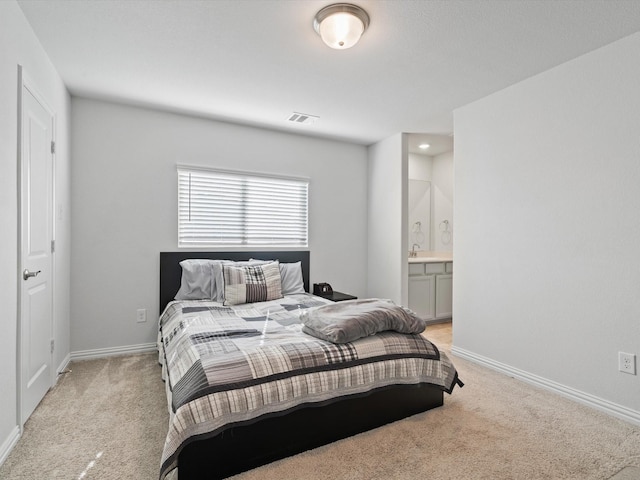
171	272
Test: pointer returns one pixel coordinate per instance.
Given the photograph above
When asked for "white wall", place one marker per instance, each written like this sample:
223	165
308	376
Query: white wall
18	45
547	214
387	226
125	207
420	167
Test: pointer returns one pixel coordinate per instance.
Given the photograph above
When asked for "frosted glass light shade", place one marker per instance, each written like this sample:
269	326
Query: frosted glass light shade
341	25
341	30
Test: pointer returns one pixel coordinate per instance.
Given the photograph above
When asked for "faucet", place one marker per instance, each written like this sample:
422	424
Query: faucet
413	252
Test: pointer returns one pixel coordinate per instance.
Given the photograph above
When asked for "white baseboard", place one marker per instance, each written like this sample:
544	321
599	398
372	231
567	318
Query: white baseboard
64	364
113	351
9	443
624	413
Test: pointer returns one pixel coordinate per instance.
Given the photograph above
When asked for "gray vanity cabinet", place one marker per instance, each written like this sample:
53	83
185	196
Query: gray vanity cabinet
431	289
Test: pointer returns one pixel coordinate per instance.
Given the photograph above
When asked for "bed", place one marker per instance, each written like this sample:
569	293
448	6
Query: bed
247	386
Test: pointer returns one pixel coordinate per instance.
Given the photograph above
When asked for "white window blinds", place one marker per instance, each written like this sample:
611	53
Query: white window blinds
217	208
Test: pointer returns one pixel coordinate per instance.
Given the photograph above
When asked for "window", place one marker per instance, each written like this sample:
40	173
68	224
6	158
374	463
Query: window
220	208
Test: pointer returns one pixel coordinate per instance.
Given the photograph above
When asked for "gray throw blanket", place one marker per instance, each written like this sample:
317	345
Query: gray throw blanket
344	322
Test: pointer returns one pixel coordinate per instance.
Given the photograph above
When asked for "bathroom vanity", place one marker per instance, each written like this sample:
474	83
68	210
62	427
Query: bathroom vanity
431	285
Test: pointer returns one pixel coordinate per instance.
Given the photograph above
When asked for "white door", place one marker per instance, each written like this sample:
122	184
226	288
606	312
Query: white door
36	234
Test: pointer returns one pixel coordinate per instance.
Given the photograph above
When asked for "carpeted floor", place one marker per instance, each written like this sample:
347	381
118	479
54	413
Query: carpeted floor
107	420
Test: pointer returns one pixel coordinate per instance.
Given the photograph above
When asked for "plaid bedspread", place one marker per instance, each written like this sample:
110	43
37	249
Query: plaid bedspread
228	364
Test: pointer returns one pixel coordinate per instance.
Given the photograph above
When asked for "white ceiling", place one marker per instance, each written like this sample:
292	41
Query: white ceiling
257	61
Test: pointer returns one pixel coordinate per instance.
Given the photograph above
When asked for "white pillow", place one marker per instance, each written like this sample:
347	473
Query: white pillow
291	278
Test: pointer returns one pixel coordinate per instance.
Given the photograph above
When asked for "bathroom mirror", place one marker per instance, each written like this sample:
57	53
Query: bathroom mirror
419	215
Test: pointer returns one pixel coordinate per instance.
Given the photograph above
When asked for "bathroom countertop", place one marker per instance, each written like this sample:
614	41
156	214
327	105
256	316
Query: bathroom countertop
431	257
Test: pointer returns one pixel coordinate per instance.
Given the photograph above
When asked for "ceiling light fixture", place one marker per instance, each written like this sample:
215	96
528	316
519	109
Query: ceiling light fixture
423	146
341	25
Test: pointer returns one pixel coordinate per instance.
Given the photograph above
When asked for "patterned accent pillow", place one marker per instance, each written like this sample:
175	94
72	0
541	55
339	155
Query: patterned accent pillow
251	283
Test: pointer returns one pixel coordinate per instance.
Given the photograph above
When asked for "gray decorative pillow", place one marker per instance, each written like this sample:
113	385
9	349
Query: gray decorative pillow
196	281
344	322
291	278
251	283
217	279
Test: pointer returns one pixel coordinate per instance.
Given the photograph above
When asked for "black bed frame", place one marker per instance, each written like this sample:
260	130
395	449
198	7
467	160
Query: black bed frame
275	436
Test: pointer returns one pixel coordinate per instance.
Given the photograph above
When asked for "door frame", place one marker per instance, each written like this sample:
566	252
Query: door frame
24	81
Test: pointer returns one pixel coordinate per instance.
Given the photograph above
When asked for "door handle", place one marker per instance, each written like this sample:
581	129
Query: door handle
27	274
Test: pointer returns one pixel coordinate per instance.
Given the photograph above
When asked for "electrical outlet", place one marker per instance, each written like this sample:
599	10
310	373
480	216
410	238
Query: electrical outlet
627	362
141	315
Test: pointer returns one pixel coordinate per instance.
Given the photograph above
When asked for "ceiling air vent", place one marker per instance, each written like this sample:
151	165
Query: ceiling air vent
302	118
